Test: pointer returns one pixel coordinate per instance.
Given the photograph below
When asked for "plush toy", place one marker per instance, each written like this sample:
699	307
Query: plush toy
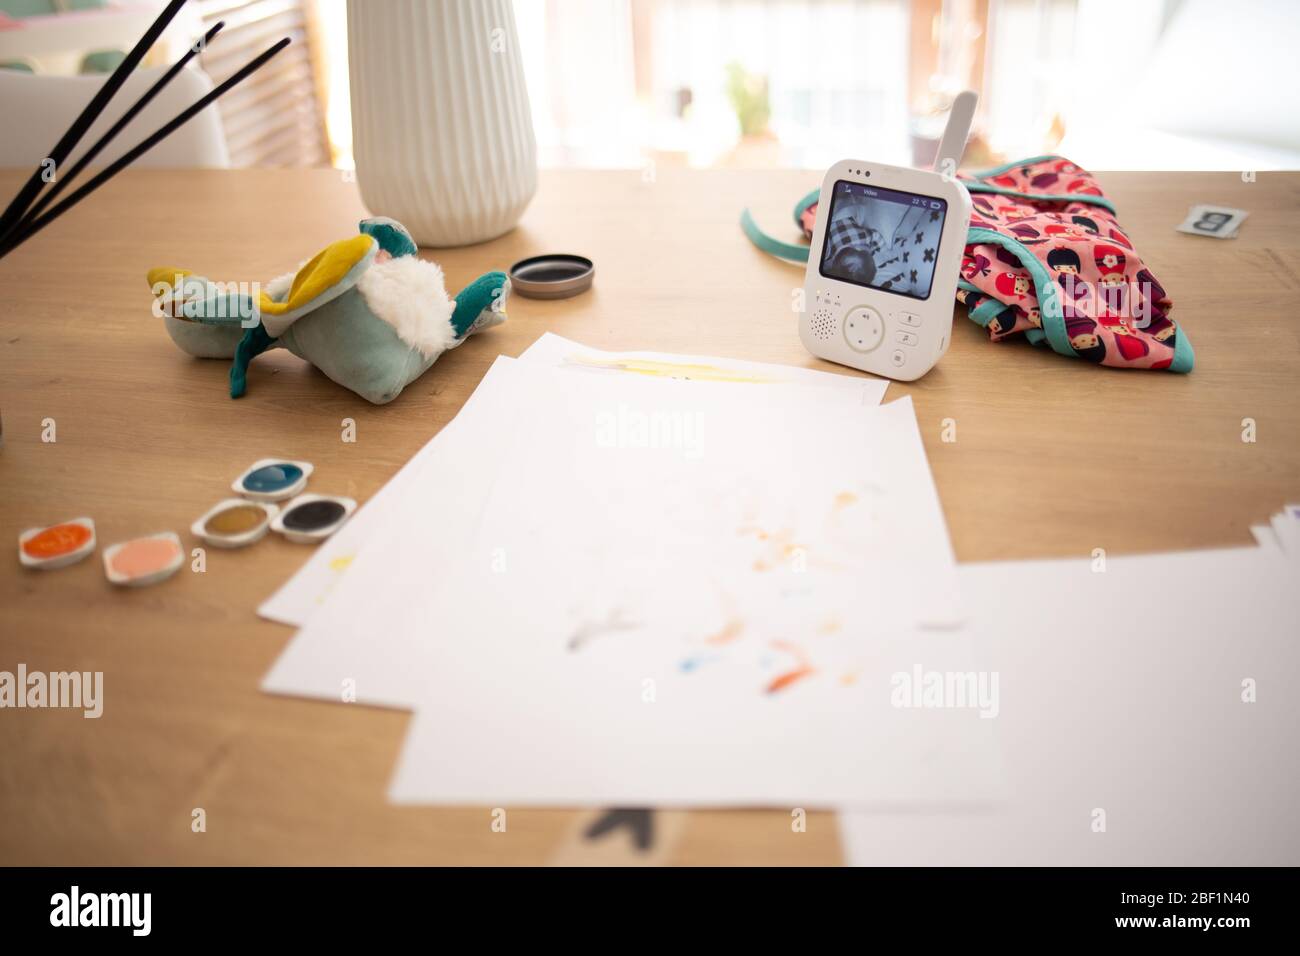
366	311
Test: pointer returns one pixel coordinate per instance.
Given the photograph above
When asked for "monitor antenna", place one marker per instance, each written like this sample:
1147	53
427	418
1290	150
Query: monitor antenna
953	143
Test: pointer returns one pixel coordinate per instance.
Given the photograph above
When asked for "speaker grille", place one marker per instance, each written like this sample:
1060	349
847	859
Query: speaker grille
822	324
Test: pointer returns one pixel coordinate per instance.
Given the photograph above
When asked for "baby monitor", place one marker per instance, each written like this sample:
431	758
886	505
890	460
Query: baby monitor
885	258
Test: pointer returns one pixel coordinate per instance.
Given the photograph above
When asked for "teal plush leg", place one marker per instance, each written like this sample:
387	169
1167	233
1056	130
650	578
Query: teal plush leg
254	343
476	298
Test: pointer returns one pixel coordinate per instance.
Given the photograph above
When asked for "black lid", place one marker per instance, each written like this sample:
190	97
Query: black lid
557	276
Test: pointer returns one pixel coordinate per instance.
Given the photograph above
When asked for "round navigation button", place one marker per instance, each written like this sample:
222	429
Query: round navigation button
864	329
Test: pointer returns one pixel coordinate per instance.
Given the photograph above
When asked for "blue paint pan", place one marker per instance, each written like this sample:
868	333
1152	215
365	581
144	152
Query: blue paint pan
272	479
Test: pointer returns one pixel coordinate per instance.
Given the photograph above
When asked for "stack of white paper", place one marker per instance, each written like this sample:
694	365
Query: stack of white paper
646	579
651	580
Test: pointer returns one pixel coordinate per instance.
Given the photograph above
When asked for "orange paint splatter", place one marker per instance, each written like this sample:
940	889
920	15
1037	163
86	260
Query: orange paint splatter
782	681
845	498
729	632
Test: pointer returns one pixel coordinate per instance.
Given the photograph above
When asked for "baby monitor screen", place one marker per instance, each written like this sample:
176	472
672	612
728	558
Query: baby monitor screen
883	239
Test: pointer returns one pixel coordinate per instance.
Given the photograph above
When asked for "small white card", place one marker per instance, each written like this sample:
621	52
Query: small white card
1217	222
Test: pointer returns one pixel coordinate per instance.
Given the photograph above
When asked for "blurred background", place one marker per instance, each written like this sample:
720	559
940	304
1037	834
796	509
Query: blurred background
1113	84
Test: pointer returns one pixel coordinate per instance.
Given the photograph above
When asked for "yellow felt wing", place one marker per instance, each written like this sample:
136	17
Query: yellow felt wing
321	275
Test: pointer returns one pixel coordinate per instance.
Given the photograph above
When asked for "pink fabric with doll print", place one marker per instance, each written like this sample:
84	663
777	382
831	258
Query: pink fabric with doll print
1115	311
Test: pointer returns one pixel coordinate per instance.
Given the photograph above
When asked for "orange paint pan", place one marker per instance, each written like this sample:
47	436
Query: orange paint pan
58	545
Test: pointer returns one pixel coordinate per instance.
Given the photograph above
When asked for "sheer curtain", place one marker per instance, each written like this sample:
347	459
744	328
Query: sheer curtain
629	82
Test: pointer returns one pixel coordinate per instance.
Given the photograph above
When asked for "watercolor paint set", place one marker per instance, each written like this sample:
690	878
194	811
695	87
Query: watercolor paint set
234	522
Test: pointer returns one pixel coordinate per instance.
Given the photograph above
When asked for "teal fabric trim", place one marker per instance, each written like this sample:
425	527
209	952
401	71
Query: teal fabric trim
1049	301
1091	200
1035	336
1014	164
1184	357
983	313
254	343
802	206
787	251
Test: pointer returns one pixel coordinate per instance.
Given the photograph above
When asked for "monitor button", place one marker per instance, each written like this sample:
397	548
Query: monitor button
898	358
905	338
864	329
909	319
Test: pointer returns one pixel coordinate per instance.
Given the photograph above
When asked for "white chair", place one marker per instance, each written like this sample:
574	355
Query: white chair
36	110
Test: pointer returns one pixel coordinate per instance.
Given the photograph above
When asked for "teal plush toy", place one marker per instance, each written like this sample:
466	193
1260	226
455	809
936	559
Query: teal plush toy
366	311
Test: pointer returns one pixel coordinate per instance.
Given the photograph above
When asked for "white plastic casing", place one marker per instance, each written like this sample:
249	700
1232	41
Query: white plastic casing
885	333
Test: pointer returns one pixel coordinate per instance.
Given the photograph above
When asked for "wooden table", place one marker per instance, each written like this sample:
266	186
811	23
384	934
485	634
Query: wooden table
1053	457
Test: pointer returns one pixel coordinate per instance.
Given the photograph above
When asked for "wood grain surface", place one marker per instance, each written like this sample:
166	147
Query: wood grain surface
1053	457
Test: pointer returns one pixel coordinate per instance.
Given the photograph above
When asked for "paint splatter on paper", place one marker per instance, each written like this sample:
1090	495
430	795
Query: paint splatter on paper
691	664
803	668
727	633
783	681
589	631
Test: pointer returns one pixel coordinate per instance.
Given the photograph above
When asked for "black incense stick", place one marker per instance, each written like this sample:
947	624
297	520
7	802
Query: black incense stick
14	212
133	154
62	182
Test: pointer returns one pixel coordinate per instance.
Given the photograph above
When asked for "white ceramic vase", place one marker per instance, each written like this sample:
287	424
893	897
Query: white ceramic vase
441	129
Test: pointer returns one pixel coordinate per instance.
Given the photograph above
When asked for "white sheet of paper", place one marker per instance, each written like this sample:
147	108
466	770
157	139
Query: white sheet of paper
1265	537
1291	537
1287	530
707	620
298	599
349	648
1123	692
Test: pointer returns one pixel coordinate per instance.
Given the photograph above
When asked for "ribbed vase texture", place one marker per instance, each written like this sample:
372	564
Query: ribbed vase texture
441	128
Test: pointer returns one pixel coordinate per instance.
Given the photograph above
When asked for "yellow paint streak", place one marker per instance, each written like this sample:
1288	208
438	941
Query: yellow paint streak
687	370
